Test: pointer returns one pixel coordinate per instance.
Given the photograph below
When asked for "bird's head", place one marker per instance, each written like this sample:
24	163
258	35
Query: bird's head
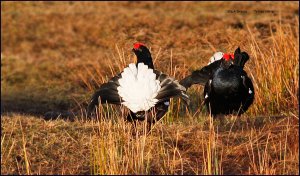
228	56
227	60
143	54
138	46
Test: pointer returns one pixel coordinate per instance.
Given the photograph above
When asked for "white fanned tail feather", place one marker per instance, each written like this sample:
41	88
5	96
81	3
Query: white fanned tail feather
138	87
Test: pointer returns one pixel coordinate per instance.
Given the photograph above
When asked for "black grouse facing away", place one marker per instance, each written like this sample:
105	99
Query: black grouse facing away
228	89
141	88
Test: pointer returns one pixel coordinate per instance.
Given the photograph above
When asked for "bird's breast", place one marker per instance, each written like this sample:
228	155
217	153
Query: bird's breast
225	82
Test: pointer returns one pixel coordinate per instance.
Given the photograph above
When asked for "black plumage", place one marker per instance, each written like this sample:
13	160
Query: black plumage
108	93
228	89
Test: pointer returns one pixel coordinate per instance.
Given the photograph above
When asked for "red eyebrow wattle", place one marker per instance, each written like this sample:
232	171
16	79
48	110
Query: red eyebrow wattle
227	57
137	45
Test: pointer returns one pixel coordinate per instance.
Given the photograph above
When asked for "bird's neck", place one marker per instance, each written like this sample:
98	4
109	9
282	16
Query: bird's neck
226	64
147	61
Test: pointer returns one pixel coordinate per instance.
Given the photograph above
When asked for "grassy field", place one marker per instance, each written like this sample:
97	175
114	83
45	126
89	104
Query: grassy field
55	54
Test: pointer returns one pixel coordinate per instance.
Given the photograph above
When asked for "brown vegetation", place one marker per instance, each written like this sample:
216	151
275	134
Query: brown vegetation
55	54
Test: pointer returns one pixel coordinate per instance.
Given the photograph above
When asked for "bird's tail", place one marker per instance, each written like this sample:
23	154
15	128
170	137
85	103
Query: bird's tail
240	58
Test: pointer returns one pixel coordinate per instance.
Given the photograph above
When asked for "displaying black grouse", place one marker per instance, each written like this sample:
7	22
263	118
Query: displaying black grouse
141	88
228	89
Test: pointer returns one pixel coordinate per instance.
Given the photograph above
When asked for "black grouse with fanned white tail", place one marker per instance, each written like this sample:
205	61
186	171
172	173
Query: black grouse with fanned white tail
142	89
228	89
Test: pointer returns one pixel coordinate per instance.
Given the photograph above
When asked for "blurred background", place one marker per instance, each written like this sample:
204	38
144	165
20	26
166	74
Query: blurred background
55	54
48	48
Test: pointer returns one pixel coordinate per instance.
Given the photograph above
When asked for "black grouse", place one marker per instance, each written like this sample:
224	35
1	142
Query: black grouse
141	88
228	89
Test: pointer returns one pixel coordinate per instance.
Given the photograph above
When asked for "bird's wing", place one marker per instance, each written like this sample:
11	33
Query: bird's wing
240	58
107	93
250	88
170	88
201	76
248	83
207	91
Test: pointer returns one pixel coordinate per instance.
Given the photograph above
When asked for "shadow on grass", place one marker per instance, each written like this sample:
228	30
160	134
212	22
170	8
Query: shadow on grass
41	107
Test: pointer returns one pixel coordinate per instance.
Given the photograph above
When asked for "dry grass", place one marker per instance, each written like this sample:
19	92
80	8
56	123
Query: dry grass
55	54
115	147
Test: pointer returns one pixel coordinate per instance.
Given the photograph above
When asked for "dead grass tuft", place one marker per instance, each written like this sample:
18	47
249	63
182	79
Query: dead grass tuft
55	54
